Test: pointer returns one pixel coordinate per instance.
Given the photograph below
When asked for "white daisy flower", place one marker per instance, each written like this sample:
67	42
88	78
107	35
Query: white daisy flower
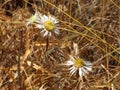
48	24
78	64
34	18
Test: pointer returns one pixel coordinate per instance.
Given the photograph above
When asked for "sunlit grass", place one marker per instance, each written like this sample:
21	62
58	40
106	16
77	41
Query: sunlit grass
88	29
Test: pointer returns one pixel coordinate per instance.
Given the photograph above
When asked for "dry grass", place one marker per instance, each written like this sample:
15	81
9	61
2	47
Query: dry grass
93	24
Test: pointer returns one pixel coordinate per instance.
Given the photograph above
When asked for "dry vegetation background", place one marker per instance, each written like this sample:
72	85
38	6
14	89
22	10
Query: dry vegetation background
26	63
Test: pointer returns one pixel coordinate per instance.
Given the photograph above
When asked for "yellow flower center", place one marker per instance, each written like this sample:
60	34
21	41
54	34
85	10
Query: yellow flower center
32	19
78	63
49	25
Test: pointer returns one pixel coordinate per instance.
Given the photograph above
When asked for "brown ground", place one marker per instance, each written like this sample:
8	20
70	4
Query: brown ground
93	24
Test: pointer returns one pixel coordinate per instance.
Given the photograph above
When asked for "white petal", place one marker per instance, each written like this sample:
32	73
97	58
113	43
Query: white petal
80	72
88	68
73	70
45	17
87	63
46	33
69	63
42	20
40	26
50	34
43	31
38	20
49	17
27	22
84	70
57	31
36	15
54	20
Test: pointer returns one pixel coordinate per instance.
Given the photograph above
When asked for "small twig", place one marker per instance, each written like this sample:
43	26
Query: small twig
113	77
47	43
19	76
